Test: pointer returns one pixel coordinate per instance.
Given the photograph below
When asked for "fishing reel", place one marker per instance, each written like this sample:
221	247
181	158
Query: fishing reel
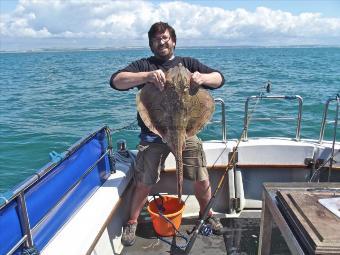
206	230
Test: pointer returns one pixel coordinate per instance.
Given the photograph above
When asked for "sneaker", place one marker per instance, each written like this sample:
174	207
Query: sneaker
129	234
216	225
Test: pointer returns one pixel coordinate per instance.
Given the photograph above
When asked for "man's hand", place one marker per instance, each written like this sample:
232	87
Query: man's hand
213	80
157	78
197	79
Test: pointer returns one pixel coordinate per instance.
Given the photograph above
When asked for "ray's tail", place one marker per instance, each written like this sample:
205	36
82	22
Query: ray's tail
179	167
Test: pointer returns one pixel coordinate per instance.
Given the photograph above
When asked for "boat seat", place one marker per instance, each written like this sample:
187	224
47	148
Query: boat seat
82	231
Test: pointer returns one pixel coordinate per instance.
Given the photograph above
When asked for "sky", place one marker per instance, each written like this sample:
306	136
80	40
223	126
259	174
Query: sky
59	24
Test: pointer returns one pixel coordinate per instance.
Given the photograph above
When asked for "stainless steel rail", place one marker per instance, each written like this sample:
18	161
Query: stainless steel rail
247	116
19	192
324	118
223	125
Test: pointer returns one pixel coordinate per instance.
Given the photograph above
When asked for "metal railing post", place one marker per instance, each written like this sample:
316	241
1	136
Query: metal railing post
325	115
224	128
112	161
298	128
24	220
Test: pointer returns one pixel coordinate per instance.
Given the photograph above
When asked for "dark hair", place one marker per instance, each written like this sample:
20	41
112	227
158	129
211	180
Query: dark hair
159	28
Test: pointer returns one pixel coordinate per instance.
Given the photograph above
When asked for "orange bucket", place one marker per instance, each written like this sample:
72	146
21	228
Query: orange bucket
173	210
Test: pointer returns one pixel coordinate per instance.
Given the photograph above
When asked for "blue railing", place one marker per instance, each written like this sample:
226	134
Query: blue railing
40	206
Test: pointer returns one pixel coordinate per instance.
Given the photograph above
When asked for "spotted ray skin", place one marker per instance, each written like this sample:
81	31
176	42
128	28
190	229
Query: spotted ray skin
178	112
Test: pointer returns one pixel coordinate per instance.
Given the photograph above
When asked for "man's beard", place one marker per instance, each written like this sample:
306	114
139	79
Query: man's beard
168	55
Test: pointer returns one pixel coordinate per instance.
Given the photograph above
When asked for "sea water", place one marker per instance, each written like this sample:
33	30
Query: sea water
49	100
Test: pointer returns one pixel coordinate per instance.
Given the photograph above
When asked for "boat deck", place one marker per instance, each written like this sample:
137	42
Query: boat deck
240	236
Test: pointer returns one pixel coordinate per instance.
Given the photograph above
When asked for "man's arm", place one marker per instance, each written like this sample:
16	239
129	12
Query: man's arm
127	80
203	75
212	80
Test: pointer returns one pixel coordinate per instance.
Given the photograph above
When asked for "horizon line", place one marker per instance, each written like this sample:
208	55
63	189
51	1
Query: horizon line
61	49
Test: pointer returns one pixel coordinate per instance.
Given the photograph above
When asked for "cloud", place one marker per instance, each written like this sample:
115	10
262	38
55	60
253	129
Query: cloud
125	23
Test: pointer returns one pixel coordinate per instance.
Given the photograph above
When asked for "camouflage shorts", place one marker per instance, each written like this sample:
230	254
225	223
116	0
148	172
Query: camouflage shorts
151	157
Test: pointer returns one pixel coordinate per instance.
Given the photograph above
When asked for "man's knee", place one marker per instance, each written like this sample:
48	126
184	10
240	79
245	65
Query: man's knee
201	186
143	188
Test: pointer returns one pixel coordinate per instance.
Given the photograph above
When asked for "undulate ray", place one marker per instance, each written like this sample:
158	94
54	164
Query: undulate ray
176	113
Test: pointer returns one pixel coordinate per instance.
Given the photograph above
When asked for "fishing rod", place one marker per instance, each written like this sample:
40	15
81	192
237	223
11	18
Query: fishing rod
195	231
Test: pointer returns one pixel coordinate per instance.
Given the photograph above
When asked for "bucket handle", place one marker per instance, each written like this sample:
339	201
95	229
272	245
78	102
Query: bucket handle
160	207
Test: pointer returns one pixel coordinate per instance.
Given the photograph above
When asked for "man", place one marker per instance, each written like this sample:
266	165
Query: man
152	151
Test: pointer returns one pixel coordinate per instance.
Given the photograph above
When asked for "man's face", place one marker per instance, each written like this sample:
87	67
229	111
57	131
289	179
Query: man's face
162	45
